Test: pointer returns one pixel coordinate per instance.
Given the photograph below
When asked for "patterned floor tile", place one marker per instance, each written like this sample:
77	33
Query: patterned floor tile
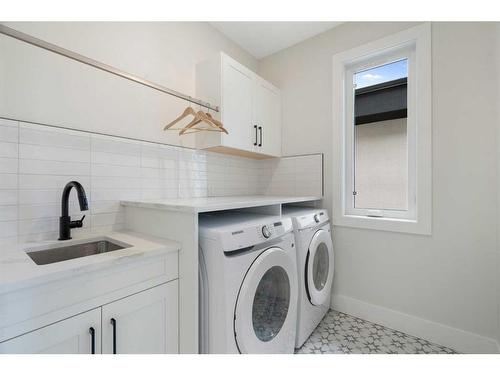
344	334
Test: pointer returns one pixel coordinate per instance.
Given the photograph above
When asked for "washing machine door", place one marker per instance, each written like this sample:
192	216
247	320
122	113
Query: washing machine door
319	267
266	308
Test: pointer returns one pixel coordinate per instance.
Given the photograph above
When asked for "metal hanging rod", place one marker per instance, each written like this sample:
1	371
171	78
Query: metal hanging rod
99	65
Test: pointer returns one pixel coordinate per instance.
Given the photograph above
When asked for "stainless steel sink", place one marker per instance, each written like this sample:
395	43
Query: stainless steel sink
60	254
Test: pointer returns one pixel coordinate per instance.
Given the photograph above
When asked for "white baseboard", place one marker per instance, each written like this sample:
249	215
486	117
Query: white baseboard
454	338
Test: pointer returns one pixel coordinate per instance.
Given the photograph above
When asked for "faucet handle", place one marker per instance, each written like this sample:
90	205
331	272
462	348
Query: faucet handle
77	223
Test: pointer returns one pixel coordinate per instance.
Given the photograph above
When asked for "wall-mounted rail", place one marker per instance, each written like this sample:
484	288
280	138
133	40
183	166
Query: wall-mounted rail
99	65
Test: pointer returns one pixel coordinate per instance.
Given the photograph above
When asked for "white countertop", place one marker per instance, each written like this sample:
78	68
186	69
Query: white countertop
18	270
208	204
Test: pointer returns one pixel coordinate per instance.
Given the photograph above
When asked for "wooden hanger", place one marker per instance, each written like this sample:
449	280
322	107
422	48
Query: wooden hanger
198	117
215	121
188	111
206	118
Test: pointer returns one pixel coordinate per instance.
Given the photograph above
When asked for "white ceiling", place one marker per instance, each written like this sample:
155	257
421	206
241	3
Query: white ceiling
262	39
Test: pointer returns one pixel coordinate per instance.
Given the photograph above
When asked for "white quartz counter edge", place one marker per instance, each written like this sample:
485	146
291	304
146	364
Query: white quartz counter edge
197	205
18	271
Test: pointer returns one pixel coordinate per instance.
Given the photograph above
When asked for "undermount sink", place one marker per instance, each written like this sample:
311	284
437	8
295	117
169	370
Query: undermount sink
79	250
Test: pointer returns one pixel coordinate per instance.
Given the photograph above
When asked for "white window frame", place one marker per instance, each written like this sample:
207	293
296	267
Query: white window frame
415	45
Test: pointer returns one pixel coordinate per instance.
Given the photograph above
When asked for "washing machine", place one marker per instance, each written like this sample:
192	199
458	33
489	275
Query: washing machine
247	283
315	262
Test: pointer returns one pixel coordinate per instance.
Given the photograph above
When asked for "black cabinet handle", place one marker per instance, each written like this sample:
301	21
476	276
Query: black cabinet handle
260	142
113	323
92	340
255	127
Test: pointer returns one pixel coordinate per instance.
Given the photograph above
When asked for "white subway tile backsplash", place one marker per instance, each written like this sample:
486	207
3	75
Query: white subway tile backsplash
8	213
8	150
8	229
36	162
54	137
8	165
8	181
45	182
114	170
6	122
33	226
103	143
38	211
116	182
108	219
158	193
9	131
37	152
6	242
39	196
151	162
152	183
297	175
115	194
51	167
104	229
8	197
99	157
45	225
103	207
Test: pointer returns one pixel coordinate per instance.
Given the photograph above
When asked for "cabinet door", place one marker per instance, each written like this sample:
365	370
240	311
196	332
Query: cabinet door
268	118
69	336
236	103
144	323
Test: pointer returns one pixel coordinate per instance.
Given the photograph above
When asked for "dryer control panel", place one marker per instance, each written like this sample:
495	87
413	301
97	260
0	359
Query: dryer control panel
238	230
308	217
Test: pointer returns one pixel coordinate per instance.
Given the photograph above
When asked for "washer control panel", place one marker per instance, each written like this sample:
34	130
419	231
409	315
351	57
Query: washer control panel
255	234
266	232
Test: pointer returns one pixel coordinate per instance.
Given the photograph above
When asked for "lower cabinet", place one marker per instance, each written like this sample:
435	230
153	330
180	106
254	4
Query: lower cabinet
143	323
80	334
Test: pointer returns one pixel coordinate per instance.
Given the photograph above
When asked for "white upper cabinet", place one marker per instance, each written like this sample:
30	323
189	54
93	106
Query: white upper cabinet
250	109
267	114
236	104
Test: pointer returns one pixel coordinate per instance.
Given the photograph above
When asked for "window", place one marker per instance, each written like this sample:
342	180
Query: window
380	145
382	134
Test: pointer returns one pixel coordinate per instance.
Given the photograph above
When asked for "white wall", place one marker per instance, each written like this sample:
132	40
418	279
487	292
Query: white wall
39	86
449	278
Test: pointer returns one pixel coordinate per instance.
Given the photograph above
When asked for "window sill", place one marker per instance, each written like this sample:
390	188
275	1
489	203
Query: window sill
384	224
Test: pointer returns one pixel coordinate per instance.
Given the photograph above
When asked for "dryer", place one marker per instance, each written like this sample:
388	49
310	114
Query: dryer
248	283
315	262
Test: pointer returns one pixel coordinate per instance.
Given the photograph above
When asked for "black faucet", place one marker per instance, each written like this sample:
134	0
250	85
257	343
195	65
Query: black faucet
65	223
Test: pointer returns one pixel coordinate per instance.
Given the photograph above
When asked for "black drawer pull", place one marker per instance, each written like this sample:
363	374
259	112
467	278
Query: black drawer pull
113	323
256	136
260	142
92	340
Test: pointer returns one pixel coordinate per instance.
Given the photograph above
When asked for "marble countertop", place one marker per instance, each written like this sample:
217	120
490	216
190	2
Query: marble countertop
18	270
208	204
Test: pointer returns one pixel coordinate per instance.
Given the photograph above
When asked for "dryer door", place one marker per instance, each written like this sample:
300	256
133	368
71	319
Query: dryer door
319	267
266	308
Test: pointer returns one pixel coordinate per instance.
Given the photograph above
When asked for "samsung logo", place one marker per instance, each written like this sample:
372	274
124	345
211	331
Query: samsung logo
237	232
